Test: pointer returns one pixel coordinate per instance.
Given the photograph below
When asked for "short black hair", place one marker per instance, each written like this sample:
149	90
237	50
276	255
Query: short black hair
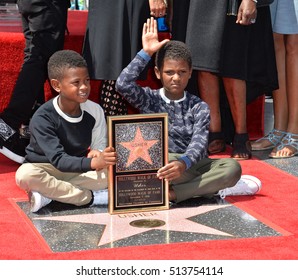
173	50
62	60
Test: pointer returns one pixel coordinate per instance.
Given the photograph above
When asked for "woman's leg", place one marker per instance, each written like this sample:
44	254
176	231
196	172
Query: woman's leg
209	91
236	94
292	81
289	146
280	101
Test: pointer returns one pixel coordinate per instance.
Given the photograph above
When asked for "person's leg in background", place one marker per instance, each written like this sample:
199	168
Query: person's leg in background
280	102
236	94
287	95
208	84
44	28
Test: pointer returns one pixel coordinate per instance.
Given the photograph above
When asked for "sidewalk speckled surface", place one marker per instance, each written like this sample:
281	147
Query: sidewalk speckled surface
196	220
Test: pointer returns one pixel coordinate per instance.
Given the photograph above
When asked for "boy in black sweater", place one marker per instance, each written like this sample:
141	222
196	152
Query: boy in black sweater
67	156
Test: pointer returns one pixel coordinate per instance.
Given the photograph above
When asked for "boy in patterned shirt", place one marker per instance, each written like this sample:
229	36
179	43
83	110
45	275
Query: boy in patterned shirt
190	172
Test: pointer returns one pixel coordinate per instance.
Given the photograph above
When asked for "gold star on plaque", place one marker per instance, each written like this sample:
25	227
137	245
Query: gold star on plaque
138	148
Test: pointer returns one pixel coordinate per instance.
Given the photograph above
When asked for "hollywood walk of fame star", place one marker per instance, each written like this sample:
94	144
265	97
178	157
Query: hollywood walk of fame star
138	148
118	226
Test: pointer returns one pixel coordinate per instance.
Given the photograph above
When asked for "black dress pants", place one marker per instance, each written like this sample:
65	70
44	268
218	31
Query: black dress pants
44	25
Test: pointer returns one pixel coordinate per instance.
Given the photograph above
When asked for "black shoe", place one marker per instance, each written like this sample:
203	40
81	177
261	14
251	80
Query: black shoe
14	147
5	131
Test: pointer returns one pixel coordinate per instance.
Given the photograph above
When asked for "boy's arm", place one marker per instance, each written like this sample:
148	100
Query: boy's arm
126	84
197	148
46	147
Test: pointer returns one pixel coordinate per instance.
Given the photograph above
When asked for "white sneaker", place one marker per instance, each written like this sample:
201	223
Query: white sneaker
37	201
100	197
247	185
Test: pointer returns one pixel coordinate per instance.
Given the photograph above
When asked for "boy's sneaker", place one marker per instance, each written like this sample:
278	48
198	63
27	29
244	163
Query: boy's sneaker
100	197
247	185
37	201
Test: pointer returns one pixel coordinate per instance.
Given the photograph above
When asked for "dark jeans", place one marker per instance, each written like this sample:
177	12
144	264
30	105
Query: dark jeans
44	25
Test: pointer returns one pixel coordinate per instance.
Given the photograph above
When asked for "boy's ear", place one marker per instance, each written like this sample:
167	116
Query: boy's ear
157	72
55	84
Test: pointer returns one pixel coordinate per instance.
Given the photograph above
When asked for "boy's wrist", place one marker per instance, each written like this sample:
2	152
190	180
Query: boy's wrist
145	55
186	160
148	52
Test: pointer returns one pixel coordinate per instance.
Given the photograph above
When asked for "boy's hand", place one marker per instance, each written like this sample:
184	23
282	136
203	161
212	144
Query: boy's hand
150	37
109	156
171	171
93	153
104	159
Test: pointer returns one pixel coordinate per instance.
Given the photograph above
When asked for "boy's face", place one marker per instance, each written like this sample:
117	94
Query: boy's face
74	86
174	76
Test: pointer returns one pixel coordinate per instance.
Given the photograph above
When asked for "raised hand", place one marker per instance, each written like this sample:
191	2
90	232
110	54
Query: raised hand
150	40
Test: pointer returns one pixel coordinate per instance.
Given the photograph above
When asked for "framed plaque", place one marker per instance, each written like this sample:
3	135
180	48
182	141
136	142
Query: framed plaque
141	144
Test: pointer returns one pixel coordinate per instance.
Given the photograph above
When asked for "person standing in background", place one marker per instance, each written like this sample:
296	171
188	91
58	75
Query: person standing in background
112	39
44	25
239	50
283	138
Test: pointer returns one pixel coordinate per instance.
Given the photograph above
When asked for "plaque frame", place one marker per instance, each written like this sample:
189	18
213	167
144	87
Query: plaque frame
132	182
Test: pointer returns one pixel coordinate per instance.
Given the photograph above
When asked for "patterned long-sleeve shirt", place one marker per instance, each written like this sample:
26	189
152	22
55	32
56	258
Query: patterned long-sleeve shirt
188	118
